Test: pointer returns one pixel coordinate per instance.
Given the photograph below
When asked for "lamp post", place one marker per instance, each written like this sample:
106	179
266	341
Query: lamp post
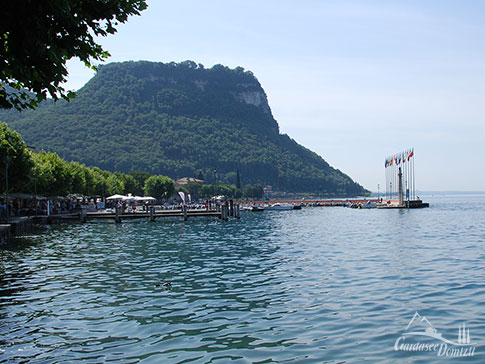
8	159
215	181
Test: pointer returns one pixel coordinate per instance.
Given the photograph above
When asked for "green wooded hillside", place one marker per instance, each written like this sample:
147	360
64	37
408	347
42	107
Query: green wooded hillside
178	120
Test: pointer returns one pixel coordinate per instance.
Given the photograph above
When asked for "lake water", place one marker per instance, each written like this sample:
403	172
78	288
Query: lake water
319	285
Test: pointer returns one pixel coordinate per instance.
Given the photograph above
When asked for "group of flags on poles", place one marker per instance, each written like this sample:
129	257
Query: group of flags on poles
399	158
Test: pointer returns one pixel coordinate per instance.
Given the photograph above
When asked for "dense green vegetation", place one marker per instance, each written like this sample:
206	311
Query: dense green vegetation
13	151
159	187
33	56
179	120
47	174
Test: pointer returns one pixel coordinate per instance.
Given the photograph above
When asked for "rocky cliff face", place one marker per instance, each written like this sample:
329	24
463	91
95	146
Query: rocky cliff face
247	94
255	98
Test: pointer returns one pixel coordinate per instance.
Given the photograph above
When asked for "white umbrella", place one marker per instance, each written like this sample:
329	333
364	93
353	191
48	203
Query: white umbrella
146	198
115	197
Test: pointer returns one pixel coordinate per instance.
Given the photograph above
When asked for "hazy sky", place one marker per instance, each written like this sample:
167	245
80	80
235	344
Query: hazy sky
354	81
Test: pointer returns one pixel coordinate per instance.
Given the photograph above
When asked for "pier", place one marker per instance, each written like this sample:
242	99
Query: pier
320	202
376	202
18	226
4	233
153	215
15	227
222	211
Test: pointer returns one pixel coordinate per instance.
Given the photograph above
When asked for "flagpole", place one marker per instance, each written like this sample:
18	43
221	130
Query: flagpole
385	175
414	184
389	183
409	177
411	174
387	178
394	176
391	178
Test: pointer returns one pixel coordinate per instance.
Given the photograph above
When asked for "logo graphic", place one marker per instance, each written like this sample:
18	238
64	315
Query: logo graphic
421	328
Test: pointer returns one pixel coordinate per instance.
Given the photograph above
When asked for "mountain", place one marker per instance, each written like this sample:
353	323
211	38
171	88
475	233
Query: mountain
178	119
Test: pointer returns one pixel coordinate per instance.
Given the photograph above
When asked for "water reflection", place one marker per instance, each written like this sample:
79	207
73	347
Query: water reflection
306	286
105	279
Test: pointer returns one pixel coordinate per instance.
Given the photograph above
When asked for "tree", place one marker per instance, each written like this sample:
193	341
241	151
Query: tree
238	180
194	190
183	189
96	182
20	163
225	190
140	178
217	190
33	54
253	191
114	185
131	184
53	174
159	187
206	191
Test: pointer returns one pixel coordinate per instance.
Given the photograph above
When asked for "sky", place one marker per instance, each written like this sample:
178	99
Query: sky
354	81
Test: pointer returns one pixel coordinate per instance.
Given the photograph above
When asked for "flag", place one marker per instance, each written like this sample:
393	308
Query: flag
410	154
189	198
182	196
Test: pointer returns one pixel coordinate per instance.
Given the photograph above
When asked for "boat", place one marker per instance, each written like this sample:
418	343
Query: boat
369	205
257	208
280	207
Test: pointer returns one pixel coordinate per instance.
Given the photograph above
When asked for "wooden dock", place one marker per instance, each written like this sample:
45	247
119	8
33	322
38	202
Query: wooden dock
154	215
16	226
21	225
4	233
222	212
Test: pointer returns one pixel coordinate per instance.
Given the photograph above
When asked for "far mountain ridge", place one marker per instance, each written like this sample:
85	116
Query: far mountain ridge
181	120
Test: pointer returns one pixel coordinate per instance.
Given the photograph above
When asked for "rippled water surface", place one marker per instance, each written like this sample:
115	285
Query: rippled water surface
320	285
